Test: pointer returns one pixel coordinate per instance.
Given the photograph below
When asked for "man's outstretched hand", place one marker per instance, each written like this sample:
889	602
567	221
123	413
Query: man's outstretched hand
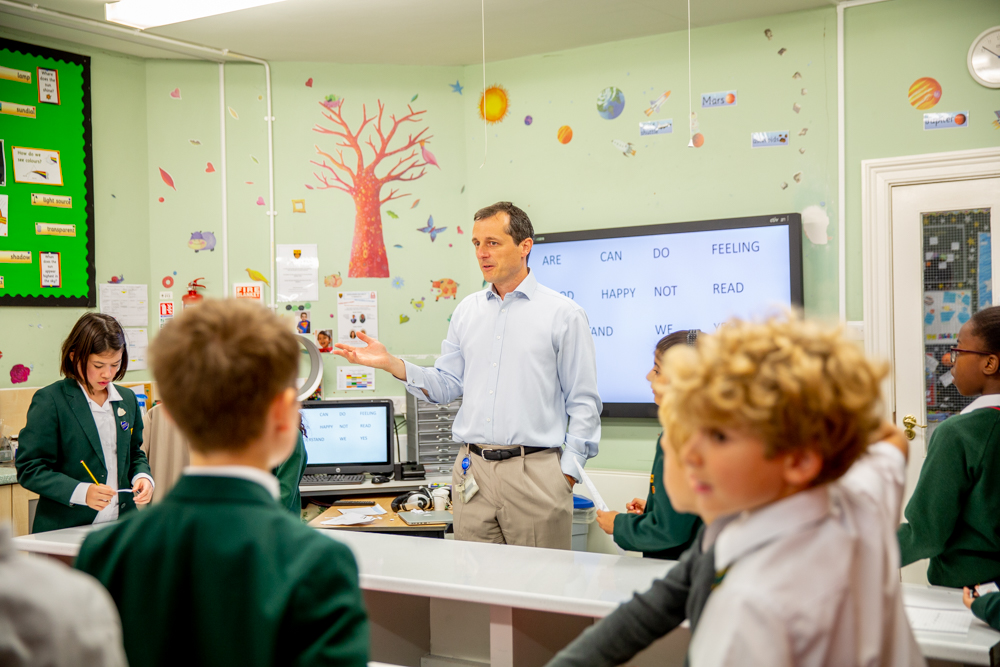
373	355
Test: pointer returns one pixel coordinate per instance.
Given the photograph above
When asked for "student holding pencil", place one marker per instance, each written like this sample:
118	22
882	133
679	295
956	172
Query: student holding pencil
79	450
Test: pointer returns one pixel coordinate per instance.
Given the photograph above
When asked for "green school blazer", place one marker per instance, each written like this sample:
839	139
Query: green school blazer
59	433
661	531
219	574
289	476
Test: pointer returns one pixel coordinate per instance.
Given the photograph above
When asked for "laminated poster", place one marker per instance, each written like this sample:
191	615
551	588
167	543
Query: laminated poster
355	378
356	311
298	272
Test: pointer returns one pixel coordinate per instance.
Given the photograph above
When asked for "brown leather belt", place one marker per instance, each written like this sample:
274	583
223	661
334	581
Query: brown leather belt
504	454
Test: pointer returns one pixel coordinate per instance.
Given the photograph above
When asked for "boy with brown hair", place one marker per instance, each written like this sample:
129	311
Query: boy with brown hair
219	573
771	416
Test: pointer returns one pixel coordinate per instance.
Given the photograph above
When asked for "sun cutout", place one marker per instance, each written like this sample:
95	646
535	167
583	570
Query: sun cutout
494	104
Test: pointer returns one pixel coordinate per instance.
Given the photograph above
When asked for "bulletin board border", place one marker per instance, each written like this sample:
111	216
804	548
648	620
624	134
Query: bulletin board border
89	301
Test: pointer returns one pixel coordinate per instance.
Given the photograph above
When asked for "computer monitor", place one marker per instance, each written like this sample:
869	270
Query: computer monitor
348	437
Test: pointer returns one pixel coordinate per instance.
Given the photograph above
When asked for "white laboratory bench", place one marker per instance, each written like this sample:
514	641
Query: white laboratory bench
505	605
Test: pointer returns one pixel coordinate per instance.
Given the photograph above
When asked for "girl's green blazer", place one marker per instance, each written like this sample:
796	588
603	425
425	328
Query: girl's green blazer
60	432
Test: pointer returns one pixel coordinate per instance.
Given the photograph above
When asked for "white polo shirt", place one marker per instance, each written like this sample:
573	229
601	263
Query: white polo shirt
813	579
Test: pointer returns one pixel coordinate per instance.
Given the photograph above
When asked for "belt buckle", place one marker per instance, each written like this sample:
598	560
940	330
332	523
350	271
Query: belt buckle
496	454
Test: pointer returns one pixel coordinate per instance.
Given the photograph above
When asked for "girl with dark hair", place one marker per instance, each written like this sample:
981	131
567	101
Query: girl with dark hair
953	511
652	526
80	448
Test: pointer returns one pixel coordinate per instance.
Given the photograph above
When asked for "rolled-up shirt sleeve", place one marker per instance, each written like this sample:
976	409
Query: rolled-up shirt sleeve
577	367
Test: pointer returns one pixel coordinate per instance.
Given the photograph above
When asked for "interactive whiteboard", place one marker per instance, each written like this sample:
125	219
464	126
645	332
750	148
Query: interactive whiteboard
639	284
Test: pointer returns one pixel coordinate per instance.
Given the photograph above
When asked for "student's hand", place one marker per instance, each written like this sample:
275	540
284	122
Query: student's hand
99	495
888	432
636	506
967	597
142	491
606	520
374	355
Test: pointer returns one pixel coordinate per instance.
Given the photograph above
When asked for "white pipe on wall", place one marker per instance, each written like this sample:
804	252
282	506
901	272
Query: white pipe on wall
104	29
842	158
225	186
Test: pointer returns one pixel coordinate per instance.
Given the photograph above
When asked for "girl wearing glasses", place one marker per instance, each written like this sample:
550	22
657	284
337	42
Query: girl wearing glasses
954	513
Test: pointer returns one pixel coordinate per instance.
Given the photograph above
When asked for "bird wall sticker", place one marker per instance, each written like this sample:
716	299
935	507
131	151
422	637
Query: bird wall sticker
258	276
427	155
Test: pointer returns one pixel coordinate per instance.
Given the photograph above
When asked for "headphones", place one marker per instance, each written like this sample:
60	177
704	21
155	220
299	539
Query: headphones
413	500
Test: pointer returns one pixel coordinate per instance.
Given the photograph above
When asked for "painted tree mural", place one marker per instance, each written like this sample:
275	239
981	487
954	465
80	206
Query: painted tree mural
360	180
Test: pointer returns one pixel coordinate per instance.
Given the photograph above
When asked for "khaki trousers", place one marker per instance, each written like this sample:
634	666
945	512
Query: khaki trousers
524	500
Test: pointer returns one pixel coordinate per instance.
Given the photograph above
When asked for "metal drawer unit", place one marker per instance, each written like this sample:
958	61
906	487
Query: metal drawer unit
428	434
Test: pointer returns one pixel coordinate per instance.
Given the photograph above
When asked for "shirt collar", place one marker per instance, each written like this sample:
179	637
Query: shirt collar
113	395
985	401
752	530
265	479
525	288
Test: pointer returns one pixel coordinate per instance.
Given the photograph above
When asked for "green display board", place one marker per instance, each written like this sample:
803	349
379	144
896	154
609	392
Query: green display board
46	183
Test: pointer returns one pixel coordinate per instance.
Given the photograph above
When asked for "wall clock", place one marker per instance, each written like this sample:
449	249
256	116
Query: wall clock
984	58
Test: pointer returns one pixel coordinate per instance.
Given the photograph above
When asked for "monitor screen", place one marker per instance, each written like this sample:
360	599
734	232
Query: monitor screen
352	436
638	284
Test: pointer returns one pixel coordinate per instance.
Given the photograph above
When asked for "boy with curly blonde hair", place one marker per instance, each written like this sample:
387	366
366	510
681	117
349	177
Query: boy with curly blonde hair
769	418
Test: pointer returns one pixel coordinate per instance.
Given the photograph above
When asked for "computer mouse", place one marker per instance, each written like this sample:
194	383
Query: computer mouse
379	479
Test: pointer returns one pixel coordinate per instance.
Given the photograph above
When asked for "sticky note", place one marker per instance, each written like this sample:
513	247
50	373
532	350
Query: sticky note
932	240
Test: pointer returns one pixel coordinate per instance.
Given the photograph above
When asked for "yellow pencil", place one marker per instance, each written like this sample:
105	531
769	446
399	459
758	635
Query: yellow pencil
90	473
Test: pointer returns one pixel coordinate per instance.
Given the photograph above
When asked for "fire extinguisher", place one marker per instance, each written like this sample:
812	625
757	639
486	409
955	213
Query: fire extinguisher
193	297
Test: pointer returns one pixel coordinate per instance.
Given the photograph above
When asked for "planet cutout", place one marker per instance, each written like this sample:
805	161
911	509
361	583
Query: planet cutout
698	140
960	119
610	103
565	134
730	98
527	120
494	104
924	93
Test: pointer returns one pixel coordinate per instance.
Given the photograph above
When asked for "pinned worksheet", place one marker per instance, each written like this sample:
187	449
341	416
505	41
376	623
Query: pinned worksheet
298	272
126	303
356	312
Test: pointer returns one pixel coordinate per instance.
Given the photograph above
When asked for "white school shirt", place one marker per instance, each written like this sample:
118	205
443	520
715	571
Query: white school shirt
813	579
107	429
265	479
984	401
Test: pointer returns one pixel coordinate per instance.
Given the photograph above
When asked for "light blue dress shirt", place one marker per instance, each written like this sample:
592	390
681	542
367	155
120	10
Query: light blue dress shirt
527	369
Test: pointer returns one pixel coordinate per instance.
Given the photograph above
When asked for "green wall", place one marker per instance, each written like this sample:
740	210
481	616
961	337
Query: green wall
587	183
888	46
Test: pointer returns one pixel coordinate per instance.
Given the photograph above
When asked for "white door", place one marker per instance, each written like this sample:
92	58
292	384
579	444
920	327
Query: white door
942	268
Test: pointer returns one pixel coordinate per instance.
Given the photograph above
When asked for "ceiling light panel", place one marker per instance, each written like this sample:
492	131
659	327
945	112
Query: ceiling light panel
151	13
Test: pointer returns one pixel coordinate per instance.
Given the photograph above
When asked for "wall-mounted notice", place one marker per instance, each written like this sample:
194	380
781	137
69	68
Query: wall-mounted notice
48	86
137	340
298	272
50	229
249	291
946	120
36	165
11	74
3	215
356	311
768	139
648	127
3	165
125	303
56	201
50	269
15	257
726	98
355	378
20	110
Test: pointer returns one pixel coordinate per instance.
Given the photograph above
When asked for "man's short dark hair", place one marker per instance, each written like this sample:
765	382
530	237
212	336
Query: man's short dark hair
518	224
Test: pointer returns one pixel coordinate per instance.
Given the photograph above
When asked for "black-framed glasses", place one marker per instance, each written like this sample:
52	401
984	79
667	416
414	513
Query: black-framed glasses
956	351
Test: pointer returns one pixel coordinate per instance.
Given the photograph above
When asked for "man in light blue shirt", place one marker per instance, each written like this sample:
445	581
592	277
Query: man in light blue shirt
523	357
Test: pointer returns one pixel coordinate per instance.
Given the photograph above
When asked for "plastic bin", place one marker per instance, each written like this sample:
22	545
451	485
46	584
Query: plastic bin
584	514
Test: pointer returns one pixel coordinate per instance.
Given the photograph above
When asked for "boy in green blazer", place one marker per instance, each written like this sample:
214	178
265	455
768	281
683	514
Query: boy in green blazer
85	424
219	573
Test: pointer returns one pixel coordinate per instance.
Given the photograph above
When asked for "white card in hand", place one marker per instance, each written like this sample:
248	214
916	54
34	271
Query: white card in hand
594	495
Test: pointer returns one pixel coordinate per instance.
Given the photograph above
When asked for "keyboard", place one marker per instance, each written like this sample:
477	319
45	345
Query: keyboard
322	478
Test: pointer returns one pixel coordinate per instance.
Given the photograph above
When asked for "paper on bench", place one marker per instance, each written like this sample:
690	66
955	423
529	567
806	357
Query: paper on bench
374	510
936	620
348	520
594	495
